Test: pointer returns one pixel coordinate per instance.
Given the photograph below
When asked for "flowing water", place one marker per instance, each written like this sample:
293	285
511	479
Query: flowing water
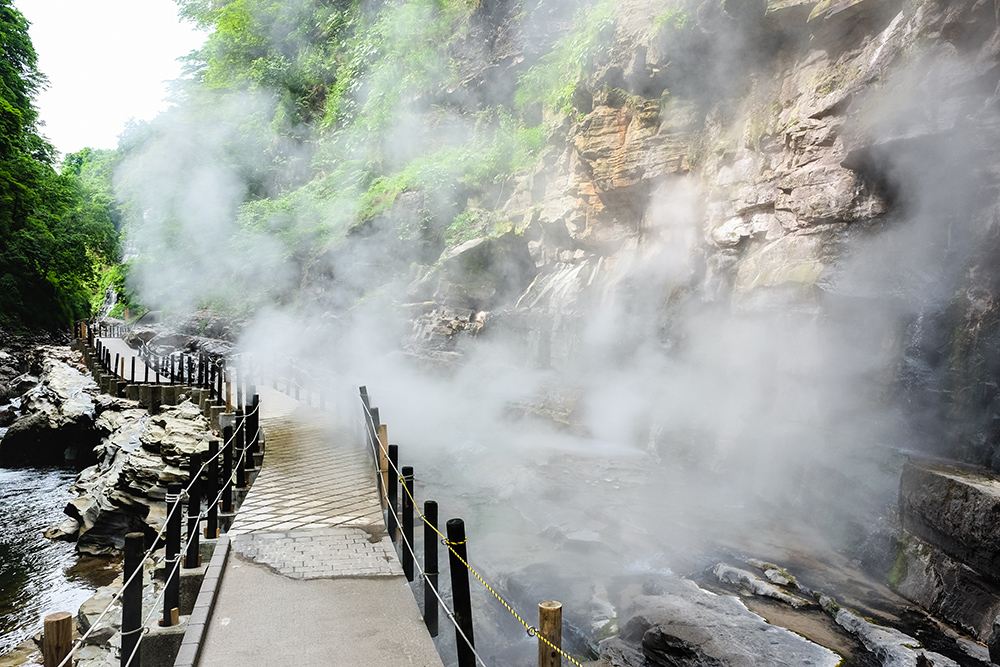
38	576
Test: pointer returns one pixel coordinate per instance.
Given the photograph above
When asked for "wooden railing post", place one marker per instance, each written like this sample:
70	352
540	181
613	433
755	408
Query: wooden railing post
430	566
392	523
132	600
192	558
549	627
171	593
407	474
58	638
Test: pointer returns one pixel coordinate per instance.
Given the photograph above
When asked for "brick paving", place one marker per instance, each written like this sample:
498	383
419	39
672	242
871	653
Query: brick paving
313	511
312	578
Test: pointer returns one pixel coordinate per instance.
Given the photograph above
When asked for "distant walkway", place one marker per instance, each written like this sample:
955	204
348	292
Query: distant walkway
312	578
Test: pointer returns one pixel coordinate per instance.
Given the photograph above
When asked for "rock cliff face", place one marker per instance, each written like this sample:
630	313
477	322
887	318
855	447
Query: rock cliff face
821	169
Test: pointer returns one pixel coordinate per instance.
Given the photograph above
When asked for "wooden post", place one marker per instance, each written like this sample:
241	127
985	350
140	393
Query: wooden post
132	600
227	470
431	566
457	553
408	522
549	627
229	396
192	558
383	460
58	639
239	449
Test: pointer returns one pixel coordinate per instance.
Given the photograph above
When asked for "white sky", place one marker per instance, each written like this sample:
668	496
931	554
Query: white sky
107	61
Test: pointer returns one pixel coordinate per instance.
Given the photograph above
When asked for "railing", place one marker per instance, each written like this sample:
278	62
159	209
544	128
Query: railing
392	478
240	450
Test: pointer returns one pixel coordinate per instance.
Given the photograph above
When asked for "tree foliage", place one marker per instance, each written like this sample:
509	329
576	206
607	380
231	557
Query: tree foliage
53	227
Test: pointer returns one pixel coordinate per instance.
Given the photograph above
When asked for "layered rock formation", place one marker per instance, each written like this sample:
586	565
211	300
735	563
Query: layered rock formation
56	412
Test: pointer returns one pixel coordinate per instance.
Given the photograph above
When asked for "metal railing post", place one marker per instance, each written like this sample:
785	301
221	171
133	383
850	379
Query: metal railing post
430	566
458	557
171	592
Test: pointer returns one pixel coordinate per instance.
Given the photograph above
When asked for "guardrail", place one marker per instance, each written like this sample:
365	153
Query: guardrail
210	488
392	478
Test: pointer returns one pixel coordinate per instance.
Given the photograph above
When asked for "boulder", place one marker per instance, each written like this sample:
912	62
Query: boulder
137	458
58	411
686	626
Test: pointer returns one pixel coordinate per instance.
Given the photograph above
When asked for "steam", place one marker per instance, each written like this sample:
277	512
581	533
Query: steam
692	397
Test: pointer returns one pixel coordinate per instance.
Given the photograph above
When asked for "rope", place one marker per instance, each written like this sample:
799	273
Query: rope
532	631
77	643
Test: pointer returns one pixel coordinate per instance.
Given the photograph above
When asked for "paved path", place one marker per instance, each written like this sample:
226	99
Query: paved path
312	578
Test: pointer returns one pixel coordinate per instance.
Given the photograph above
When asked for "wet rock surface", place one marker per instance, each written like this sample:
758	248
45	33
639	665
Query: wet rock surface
140	454
53	422
688	626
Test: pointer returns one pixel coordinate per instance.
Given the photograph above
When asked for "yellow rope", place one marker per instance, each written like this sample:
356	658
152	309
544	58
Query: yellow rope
532	631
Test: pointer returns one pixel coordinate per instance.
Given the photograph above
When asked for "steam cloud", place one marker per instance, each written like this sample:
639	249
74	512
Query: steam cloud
698	414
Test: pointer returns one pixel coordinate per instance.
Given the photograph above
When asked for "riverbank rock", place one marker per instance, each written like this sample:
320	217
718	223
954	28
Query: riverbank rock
949	548
57	413
686	626
124	491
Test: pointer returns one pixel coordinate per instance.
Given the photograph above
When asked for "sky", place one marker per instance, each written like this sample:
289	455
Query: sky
107	61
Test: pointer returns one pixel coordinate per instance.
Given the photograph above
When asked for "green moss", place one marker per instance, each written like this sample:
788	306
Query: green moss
899	568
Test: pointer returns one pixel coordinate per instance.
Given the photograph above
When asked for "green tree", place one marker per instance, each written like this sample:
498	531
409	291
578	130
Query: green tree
52	233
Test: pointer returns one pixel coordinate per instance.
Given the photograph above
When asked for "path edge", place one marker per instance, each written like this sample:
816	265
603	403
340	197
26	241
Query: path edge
190	649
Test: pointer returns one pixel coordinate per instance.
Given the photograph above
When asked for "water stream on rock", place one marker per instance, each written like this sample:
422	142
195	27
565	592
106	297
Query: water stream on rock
38	576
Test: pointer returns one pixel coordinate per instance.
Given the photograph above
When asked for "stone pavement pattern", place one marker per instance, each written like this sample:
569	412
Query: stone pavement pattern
312	578
313	512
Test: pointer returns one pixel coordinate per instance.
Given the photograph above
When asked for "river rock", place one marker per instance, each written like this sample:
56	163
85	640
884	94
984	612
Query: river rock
57	413
755	585
690	627
138	457
892	647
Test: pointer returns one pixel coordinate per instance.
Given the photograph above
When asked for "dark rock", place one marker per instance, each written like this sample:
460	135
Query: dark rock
690	627
956	510
7	417
994	641
22	383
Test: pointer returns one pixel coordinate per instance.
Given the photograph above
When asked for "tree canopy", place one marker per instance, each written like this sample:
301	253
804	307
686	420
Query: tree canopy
55	229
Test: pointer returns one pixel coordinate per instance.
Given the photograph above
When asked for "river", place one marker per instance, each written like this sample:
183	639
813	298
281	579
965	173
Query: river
39	576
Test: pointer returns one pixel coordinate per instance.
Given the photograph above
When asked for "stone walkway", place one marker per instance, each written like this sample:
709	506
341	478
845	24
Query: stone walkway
313	511
311	577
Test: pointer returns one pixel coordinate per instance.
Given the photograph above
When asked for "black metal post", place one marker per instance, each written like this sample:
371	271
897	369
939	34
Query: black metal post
458	557
430	566
408	522
172	588
133	371
239	449
393	521
132	600
145	363
191	559
117	358
227	470
212	491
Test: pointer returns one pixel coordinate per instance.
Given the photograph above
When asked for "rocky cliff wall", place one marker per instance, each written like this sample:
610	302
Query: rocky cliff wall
824	171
